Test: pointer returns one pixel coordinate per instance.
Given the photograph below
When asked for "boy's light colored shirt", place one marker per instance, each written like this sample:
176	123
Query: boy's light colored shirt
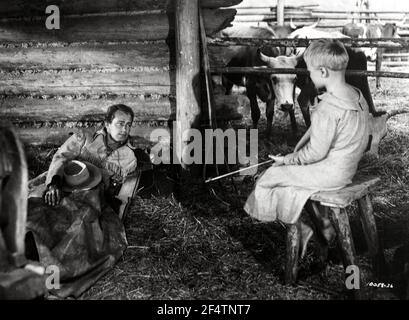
338	134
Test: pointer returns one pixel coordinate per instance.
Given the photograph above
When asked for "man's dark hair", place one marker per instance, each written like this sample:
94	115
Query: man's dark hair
110	115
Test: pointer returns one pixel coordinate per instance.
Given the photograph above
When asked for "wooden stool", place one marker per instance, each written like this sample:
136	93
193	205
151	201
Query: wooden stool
337	202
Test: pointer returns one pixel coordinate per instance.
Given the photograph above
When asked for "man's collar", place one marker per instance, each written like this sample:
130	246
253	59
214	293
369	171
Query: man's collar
105	135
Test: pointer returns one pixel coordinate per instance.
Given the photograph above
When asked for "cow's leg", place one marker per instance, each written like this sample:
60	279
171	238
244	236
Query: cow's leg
379	57
227	84
269	116
304	103
294	126
255	110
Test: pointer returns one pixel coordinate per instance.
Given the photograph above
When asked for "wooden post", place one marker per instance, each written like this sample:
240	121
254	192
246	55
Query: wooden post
371	235
280	12
292	248
187	71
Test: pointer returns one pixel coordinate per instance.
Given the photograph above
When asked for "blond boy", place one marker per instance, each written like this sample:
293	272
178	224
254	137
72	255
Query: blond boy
327	156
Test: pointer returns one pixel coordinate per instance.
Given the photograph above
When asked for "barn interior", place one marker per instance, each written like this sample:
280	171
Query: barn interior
189	242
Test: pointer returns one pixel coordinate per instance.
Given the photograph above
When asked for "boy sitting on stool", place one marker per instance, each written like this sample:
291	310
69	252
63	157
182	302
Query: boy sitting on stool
327	156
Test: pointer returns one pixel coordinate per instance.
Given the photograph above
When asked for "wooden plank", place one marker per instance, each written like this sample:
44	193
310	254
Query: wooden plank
68	82
87	56
255	70
187	71
56	136
292	250
280	12
105	57
120	27
67	109
302	42
371	235
26	109
345	196
29	7
340	221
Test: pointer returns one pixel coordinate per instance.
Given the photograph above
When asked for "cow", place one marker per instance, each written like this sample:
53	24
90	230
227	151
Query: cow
357	61
373	31
382	30
273	90
354	30
285	30
276	89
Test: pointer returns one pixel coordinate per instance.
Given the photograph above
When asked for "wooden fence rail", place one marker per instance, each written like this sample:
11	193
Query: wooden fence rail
356	43
265	70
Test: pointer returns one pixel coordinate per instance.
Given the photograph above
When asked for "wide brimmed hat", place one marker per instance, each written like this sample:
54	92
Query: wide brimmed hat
80	175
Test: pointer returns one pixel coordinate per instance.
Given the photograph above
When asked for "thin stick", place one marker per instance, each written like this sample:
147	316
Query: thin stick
237	171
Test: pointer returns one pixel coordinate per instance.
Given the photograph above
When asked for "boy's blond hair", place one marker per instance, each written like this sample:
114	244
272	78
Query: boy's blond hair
330	54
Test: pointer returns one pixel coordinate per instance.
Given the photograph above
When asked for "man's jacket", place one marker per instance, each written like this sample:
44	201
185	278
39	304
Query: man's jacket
115	164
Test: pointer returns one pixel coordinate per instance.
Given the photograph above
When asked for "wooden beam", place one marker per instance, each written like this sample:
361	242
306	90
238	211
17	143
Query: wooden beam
35	111
260	70
280	12
302	42
106	27
20	8
102	57
86	56
87	83
187	71
55	136
25	109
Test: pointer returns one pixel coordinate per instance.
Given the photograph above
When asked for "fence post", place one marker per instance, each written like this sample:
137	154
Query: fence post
280	12
187	71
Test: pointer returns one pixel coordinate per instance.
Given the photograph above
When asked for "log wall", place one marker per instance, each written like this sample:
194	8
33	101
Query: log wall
106	52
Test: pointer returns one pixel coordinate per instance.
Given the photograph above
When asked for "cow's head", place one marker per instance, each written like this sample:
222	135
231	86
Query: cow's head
283	84
391	30
381	30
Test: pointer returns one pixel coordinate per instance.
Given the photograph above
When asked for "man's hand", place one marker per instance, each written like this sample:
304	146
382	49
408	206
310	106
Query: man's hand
52	196
278	160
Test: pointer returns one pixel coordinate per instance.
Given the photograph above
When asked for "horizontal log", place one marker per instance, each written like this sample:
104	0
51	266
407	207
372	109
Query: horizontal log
142	57
69	82
56	136
270	12
273	8
32	111
20	8
403	54
85	56
25	109
361	11
346	17
301	42
395	63
261	70
121	27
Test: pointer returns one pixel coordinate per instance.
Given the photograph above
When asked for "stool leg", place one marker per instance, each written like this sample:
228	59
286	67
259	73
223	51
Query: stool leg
371	235
315	215
293	246
340	221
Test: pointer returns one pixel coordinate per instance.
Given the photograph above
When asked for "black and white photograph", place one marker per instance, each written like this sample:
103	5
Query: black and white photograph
203	156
